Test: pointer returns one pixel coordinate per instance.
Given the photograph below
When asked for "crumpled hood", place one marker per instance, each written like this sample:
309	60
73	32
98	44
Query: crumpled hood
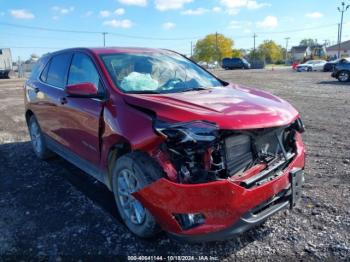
231	107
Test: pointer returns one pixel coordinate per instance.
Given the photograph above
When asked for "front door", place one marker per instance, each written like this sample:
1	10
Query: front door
80	127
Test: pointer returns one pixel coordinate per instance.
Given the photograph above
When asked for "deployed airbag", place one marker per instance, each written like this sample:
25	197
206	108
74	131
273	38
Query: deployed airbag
139	82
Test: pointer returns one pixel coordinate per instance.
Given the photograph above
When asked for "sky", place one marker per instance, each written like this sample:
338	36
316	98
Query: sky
171	24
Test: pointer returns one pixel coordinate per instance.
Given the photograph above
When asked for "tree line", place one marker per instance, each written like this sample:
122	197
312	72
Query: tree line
215	47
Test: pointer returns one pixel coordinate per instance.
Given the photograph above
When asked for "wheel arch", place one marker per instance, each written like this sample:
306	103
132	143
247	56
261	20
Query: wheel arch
115	152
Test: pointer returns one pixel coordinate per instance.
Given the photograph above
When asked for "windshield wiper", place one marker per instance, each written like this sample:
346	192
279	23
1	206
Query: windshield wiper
193	89
143	92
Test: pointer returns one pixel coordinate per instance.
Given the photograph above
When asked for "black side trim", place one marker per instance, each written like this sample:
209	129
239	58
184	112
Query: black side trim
76	160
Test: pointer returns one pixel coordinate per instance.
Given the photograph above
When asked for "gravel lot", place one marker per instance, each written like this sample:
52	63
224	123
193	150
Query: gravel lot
52	209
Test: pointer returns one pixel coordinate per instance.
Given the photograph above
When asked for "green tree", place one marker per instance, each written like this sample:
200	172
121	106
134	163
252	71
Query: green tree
213	48
237	53
270	51
308	42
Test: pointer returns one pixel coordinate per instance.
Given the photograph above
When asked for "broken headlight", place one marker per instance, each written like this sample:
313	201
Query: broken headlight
196	132
191	147
298	125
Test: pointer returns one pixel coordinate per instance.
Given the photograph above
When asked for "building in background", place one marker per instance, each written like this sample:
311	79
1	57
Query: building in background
299	53
304	53
344	50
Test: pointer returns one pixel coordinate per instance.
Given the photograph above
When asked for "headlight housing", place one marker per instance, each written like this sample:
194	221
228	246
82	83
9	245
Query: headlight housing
299	126
194	132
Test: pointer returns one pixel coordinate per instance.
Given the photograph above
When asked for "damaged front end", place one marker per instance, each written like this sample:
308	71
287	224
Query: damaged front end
222	182
200	152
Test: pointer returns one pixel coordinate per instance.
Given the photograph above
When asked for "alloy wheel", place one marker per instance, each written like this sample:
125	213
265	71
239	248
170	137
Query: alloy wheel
343	76
35	136
132	208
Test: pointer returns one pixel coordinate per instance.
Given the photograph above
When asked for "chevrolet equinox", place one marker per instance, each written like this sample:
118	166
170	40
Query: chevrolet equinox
182	150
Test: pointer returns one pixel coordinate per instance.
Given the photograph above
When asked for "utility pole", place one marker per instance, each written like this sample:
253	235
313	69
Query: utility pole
287	40
104	38
342	10
254	53
338	40
254	36
217	46
191	49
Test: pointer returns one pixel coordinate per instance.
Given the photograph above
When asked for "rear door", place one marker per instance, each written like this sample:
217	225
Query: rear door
48	90
80	124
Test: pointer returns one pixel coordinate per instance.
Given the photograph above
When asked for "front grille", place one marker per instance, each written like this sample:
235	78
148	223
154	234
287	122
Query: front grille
238	153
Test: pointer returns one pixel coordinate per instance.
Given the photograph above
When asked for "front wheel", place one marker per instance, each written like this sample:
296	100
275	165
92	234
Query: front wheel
309	69
132	173
38	140
343	76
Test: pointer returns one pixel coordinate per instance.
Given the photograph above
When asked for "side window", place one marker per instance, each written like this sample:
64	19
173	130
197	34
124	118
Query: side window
57	71
38	68
83	70
43	76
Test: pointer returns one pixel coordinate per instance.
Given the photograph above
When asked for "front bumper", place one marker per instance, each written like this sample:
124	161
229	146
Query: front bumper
229	209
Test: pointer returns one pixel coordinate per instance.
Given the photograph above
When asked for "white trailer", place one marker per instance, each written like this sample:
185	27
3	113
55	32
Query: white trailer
5	62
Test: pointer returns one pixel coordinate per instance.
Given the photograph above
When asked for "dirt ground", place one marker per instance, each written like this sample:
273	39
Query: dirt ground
51	209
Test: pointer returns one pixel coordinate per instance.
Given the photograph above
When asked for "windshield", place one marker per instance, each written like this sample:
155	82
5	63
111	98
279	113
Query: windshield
156	73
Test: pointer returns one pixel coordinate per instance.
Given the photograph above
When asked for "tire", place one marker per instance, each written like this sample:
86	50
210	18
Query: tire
343	76
140	170
309	69
38	140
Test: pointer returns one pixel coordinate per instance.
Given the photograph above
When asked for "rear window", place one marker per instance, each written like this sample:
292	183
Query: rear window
57	71
38	67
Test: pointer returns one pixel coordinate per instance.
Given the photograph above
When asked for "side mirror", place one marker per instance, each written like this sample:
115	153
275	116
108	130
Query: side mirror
82	90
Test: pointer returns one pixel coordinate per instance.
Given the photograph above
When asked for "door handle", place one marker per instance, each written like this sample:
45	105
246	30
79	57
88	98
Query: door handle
63	100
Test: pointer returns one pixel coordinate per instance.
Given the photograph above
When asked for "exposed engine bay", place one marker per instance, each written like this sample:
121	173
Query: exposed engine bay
202	153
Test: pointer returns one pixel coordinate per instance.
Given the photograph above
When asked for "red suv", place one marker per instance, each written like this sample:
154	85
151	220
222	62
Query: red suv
182	150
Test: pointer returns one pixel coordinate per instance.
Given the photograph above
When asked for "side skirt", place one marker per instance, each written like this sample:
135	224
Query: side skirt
76	160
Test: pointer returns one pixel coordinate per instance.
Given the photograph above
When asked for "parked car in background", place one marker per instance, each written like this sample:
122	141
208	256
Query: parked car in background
182	150
312	65
213	65
203	64
342	71
235	63
329	66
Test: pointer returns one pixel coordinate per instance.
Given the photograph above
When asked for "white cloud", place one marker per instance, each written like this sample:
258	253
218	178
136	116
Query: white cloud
119	11
216	9
55	17
198	11
256	5
21	14
125	23
314	15
268	22
63	10
163	5
88	13
233	11
168	25
134	2
250	4
105	13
